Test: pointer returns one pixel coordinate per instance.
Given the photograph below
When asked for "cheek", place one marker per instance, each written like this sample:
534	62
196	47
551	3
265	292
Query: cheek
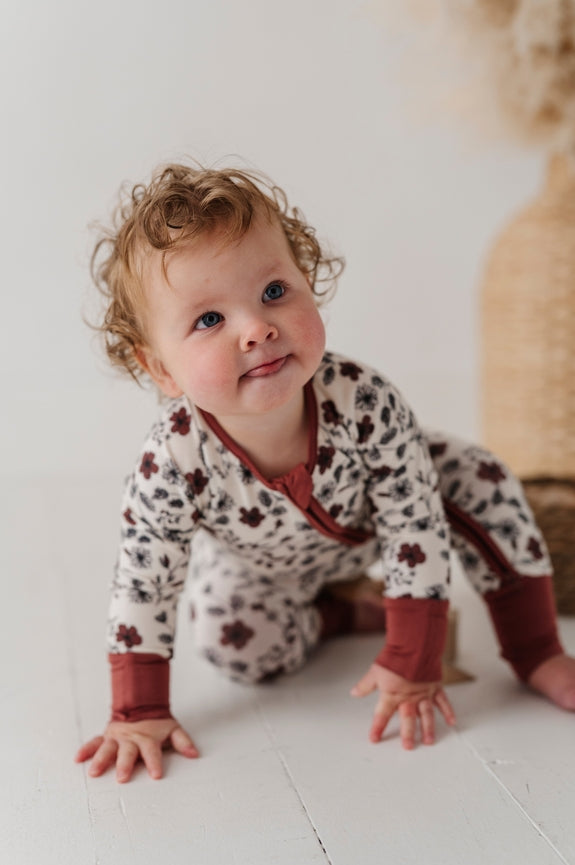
209	371
312	331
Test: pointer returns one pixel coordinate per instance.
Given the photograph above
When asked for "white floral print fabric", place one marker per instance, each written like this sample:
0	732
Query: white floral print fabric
257	563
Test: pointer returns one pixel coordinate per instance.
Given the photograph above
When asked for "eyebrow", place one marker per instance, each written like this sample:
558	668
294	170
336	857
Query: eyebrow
268	271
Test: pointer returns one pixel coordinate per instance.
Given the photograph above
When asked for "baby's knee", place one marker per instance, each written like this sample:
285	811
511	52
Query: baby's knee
473	476
237	646
235	670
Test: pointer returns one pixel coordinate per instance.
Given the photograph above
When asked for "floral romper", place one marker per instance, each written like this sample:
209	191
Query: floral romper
260	552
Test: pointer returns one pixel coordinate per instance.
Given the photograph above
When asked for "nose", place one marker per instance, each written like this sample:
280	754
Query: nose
256	332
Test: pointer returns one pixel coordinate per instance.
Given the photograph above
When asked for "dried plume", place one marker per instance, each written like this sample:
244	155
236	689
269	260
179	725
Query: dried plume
507	66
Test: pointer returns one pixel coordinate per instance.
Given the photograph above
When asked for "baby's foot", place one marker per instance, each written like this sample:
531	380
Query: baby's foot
555	679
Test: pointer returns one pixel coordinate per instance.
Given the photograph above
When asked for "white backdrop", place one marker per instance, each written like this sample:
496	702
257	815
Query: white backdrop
308	91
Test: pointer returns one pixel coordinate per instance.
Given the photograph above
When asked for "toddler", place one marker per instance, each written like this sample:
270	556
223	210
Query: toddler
277	470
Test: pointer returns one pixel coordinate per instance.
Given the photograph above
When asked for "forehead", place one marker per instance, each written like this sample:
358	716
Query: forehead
214	257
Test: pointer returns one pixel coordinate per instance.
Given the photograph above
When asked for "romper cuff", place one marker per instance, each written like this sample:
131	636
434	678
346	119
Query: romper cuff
140	686
416	630
523	614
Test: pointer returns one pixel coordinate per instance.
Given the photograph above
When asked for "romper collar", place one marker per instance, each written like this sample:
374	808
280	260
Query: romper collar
297	484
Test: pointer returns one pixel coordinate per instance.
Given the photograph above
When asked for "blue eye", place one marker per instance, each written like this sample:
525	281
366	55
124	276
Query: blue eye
208	319
274	291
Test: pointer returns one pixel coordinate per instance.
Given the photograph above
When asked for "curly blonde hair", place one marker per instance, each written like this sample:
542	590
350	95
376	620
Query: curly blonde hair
182	203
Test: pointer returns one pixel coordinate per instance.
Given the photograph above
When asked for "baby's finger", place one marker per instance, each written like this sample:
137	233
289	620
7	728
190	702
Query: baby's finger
427	716
383	714
88	749
408	715
444	706
152	756
127	756
378	726
365	686
104	758
182	743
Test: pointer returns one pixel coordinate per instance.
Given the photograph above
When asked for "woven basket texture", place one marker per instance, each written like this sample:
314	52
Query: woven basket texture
553	504
528	334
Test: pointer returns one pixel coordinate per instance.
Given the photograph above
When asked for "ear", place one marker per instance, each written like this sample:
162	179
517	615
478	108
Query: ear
157	371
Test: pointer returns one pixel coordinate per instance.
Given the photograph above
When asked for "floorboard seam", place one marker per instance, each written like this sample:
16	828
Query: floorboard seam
270	733
486	765
73	674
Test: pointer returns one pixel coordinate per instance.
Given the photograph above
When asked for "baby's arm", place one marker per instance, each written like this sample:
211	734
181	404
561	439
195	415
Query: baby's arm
408	517
141	723
407	672
124	743
149	577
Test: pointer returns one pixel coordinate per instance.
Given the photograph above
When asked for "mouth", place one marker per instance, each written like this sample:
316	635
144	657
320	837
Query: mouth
266	368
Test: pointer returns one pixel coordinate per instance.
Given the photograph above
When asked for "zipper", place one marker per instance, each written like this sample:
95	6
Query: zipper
466	526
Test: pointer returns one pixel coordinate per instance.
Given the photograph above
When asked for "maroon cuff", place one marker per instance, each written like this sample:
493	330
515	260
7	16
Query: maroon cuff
523	614
140	686
416	629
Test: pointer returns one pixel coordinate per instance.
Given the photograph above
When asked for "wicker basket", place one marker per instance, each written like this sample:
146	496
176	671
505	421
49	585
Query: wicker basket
528	335
553	503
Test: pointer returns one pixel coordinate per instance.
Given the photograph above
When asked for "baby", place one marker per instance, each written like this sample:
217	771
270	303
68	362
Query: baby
277	470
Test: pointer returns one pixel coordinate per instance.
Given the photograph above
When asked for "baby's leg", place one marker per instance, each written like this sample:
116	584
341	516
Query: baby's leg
505	558
252	627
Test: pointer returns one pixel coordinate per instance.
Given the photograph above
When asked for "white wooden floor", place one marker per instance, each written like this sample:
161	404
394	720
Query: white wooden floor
287	773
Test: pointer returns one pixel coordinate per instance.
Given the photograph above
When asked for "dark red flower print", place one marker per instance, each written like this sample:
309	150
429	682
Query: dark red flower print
534	548
325	458
197	481
237	634
365	428
491	472
437	449
381	473
148	467
181	422
412	554
351	370
128	517
128	636
252	518
330	412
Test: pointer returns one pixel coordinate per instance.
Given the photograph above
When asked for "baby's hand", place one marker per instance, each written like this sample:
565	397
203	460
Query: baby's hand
123	743
413	700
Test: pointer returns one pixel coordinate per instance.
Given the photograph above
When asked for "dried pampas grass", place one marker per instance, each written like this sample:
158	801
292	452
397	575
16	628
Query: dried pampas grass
508	66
